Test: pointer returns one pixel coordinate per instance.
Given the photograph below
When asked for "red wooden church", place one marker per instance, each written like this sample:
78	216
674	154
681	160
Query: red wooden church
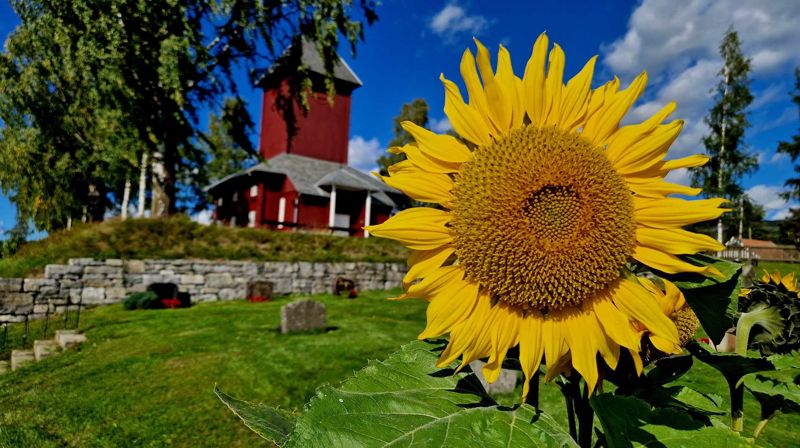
305	182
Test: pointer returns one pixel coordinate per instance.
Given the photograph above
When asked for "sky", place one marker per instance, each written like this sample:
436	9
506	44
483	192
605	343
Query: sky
676	42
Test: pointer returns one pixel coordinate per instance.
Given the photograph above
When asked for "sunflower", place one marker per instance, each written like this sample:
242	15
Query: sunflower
539	208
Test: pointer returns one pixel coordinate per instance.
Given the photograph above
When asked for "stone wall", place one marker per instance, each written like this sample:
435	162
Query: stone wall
90	282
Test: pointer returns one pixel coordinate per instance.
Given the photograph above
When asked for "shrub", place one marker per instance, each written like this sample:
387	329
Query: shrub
142	301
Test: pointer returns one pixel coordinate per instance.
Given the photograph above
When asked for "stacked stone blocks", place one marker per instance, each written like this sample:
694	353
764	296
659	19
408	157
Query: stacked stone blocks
90	282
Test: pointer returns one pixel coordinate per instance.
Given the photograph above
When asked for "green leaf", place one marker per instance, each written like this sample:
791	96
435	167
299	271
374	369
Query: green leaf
732	366
630	422
713	299
271	424
778	389
405	401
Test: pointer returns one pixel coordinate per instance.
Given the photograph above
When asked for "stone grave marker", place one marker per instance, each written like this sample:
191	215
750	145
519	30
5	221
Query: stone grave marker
302	315
69	338
4	367
260	291
44	349
345	286
504	384
21	357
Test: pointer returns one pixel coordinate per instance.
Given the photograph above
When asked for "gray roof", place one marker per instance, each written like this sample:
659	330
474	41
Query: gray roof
315	177
311	58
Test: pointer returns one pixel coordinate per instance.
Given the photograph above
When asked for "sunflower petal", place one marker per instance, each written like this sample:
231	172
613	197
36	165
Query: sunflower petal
531	348
676	241
669	263
443	147
450	306
533	81
465	120
635	301
419	228
506	334
576	96
603	123
428	187
673	212
554	84
423	262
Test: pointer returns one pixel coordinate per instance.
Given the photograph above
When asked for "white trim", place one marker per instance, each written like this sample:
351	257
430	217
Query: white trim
332	207
281	211
367	213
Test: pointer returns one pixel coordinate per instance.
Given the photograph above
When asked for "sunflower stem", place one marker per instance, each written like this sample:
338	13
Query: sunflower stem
533	391
566	390
585	418
737	406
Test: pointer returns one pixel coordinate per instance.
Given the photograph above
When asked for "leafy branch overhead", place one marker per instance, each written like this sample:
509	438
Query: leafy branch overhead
88	87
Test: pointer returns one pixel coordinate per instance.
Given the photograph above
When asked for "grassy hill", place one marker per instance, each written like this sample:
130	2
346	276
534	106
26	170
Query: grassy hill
145	378
179	237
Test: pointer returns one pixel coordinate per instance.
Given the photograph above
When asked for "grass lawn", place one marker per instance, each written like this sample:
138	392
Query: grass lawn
145	378
783	268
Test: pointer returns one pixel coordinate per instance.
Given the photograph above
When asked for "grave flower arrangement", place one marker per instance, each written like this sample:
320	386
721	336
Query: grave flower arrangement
554	246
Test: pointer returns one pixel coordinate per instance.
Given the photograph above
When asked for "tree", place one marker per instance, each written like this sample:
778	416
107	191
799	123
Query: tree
88	86
228	140
792	148
415	112
727	120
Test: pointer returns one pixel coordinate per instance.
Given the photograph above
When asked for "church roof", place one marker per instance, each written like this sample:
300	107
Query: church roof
310	57
315	177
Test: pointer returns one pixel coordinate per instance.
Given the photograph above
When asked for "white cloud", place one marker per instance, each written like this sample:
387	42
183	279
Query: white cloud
680	176
677	44
441	126
204	217
769	197
362	154
454	19
665	35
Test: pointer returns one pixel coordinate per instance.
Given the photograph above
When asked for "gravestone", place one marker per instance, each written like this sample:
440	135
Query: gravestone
169	295
260	291
44	349
69	338
346	286
4	367
505	383
302	315
21	357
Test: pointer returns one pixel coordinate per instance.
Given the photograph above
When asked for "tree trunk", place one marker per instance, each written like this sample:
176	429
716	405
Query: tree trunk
142	184
126	197
721	173
741	218
159	201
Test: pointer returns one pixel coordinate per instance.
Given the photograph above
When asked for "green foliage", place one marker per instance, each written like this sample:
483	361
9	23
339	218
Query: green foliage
417	406
792	148
272	424
629	422
88	86
228	141
147	300
728	113
713	299
415	112
180	237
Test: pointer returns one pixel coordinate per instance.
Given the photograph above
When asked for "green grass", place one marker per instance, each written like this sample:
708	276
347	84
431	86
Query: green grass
145	378
783	268
179	237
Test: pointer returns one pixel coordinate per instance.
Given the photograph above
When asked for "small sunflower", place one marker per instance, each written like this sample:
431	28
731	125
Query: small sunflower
540	206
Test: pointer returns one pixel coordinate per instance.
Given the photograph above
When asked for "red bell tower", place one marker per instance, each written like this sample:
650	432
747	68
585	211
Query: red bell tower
323	133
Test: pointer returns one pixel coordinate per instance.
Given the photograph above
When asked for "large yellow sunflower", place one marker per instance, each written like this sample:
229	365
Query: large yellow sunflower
541	206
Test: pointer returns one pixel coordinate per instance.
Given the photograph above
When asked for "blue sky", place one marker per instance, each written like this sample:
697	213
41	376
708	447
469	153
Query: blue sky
675	41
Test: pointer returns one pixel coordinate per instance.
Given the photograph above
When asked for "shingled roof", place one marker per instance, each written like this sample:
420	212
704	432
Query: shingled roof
311	58
315	177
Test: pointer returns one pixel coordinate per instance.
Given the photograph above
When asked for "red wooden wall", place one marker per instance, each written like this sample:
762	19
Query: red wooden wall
323	133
